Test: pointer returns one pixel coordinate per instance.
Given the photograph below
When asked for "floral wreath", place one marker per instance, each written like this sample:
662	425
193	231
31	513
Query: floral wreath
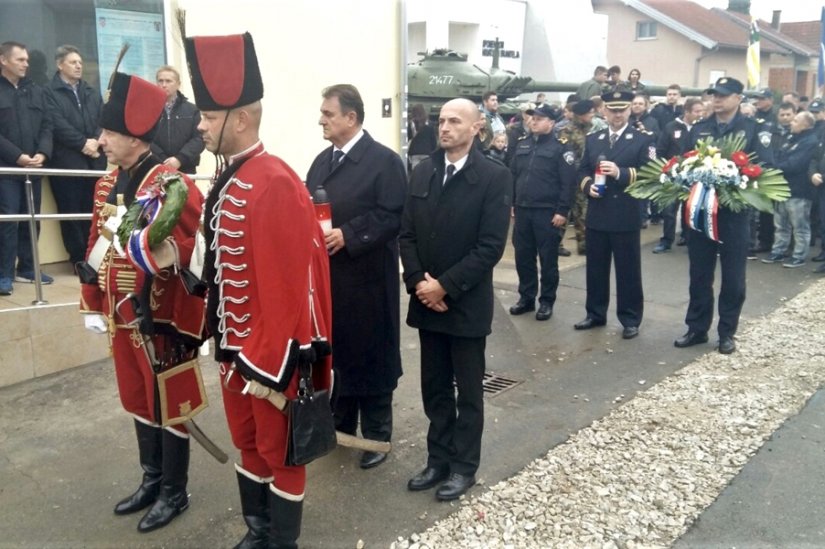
716	174
151	218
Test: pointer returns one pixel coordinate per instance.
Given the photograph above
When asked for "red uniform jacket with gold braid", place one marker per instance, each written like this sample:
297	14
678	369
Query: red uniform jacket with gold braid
173	309
265	241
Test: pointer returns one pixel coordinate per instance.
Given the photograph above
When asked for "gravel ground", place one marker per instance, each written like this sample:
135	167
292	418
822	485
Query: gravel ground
640	476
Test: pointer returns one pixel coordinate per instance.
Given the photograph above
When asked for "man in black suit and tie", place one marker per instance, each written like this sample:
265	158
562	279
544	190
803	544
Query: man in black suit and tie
366	186
453	233
613	224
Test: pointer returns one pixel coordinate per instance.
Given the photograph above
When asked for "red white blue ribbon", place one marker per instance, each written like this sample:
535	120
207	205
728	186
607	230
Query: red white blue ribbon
137	248
702	211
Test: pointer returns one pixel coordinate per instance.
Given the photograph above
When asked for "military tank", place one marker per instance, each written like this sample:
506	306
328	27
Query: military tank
444	74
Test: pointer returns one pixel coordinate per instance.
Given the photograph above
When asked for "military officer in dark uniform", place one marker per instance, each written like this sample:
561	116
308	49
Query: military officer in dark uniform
613	224
575	133
673	141
733	228
545	177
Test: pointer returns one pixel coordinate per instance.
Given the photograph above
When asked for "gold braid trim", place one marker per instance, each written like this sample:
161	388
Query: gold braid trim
584	182
632	175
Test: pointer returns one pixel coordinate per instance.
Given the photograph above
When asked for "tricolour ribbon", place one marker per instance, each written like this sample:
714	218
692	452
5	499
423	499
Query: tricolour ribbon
137	249
702	211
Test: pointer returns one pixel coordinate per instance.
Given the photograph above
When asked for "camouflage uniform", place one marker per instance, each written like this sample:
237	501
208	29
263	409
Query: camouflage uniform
575	133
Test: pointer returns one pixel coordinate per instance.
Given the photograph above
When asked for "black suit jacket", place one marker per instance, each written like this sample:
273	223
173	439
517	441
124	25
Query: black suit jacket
616	211
457	234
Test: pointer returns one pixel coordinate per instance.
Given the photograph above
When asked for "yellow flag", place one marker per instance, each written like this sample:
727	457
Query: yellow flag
753	56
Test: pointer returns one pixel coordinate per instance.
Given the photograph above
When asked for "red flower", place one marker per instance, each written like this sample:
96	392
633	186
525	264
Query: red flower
690	153
740	158
752	170
670	163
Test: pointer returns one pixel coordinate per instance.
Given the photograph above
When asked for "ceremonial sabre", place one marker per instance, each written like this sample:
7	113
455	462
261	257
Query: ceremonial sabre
278	400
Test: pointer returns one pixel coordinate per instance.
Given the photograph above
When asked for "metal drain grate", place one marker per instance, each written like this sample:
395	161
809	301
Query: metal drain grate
494	384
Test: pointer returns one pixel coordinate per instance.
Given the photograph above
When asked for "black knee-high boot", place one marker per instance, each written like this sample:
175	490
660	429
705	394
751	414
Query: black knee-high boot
285	522
149	449
172	499
255	509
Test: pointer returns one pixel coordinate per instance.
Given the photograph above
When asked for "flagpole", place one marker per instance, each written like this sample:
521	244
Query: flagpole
820	78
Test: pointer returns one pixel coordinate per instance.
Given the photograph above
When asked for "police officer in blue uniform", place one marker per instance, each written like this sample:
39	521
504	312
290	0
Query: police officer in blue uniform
733	228
545	178
613	224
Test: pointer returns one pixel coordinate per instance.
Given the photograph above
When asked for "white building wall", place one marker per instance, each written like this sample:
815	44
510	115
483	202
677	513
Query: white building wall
304	46
463	25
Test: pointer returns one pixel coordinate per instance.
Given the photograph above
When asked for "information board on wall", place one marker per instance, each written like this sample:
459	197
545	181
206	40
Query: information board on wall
144	34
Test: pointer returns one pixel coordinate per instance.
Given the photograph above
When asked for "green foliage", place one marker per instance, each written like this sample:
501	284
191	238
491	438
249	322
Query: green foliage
171	206
663	189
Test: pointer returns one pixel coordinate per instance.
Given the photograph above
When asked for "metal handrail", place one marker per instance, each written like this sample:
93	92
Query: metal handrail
33	218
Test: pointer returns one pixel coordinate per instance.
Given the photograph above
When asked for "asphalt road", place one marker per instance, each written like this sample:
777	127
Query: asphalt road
67	450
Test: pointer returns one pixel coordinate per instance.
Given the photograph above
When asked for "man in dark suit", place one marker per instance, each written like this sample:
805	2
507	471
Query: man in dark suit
366	186
732	247
613	224
453	233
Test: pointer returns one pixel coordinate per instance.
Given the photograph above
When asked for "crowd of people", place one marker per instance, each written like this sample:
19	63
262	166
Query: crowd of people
787	135
57	125
326	299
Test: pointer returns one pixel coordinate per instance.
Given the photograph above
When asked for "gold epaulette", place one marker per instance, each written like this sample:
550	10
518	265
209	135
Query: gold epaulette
562	140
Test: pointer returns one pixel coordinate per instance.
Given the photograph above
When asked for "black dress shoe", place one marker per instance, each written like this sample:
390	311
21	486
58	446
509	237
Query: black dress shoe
455	487
690	339
371	459
523	306
630	332
682	241
588	323
726	345
564	252
661	248
545	312
820	269
819	258
428	478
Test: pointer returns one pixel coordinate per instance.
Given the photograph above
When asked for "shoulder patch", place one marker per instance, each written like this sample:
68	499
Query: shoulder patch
765	138
569	157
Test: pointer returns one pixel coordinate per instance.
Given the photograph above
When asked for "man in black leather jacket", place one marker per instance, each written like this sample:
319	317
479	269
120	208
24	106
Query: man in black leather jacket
178	143
25	142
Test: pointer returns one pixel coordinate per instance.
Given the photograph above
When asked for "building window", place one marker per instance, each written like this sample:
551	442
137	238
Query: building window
715	75
645	30
97	28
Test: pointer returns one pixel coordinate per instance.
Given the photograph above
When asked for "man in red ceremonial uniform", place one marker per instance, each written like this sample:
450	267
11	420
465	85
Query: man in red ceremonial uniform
135	294
267	270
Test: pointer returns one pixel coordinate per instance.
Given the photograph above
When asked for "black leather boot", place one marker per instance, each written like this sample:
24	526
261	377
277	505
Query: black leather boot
172	499
149	449
285	522
255	509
